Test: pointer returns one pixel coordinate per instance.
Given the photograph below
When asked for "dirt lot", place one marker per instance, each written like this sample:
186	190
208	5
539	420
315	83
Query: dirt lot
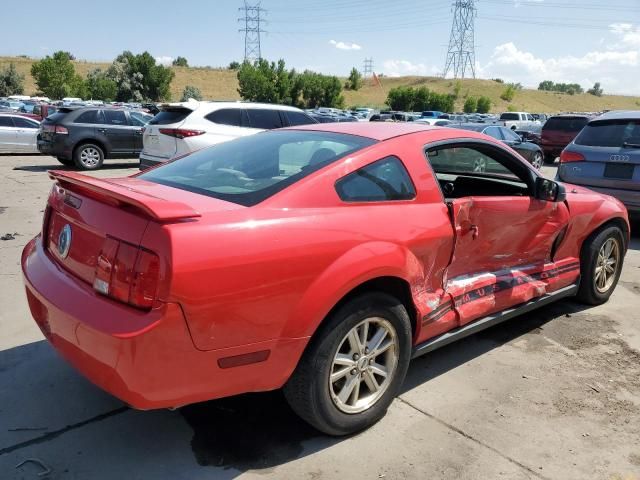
554	394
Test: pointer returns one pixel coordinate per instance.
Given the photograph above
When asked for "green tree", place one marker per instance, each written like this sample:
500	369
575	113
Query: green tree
401	98
234	65
596	90
470	105
100	86
11	82
190	92
508	94
421	98
484	105
140	78
55	76
442	102
354	82
546	85
180	62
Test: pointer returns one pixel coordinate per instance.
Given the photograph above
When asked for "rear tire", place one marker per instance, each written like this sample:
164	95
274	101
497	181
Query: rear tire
601	263
334	385
536	160
88	156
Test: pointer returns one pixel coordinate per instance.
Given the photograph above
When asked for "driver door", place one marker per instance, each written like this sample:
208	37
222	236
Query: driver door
503	235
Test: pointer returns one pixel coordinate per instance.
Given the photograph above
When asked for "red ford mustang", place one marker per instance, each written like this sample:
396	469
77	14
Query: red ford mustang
320	259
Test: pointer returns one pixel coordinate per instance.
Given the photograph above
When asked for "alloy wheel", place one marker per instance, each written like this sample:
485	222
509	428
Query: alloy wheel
364	365
89	157
537	161
607	264
480	165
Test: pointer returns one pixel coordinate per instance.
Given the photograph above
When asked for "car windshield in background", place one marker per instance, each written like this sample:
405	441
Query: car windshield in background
509	116
167	117
610	133
249	170
565	124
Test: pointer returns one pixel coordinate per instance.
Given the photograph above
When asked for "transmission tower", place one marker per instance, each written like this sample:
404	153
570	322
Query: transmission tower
367	71
461	55
253	20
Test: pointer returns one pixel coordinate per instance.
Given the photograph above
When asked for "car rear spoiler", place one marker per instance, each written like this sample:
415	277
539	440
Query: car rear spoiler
110	192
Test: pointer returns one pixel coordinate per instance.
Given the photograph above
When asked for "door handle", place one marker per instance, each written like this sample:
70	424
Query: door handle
102	130
139	132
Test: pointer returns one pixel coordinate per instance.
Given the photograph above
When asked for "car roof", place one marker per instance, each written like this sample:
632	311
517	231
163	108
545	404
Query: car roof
476	127
375	130
620	115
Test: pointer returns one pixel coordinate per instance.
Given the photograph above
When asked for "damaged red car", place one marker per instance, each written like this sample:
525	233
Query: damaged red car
319	259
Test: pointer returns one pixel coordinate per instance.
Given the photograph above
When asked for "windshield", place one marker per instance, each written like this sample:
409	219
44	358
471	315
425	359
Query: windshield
249	170
610	133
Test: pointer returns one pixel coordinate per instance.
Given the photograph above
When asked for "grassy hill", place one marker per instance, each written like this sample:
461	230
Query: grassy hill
221	84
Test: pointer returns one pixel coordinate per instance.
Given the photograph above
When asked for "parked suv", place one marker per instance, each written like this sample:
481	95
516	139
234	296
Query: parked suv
84	137
182	128
605	156
558	132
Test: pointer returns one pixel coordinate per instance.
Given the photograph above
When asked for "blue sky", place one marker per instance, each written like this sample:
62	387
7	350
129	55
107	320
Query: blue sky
519	40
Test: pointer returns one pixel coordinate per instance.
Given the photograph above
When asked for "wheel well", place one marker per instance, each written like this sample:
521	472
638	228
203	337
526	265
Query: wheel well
614	222
91	141
394	286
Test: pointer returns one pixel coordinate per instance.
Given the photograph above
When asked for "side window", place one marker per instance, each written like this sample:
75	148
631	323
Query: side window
264	118
90	116
530	118
299	118
115	117
6	122
384	180
139	119
24	123
510	135
493	132
226	116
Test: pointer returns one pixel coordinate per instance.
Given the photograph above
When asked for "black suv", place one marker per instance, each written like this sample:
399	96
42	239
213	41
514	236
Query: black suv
85	136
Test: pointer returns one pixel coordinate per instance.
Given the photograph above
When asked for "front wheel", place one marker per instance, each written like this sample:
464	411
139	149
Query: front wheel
601	264
536	160
354	366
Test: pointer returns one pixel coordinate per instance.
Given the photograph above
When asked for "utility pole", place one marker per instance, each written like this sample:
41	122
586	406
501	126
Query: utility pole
367	71
253	20
461	54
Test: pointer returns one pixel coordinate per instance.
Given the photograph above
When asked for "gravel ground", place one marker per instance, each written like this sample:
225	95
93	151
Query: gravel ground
554	394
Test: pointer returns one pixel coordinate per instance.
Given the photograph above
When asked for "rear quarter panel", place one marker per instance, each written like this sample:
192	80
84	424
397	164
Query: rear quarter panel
276	270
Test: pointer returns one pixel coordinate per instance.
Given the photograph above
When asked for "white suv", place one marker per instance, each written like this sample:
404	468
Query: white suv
182	128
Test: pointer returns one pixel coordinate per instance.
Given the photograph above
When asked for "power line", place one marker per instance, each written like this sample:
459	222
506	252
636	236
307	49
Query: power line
461	54
252	20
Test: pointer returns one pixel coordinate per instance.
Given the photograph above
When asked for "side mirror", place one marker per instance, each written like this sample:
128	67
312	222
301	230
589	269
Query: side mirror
549	191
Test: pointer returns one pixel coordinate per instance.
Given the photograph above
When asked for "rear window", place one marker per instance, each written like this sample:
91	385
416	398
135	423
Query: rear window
167	117
299	118
6	122
57	116
234	117
610	133
250	169
565	124
509	116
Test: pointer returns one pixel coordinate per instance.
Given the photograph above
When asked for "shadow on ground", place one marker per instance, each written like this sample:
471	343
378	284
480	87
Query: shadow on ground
108	165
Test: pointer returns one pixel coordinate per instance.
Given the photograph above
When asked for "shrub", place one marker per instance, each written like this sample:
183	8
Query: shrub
354	82
508	93
11	82
180	62
484	105
596	90
191	92
470	105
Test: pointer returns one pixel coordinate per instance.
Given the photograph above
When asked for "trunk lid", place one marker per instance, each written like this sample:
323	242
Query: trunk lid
83	212
155	144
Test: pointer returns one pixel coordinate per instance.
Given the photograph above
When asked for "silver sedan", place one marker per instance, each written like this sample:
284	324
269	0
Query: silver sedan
18	134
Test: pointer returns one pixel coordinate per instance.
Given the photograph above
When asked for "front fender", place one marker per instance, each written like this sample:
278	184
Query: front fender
355	267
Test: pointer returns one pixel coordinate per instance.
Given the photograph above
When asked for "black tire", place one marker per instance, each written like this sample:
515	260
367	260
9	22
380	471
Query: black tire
549	158
589	292
308	390
65	161
88	156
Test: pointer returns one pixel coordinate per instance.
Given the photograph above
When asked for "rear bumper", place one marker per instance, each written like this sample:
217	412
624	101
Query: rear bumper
148	161
151	362
57	147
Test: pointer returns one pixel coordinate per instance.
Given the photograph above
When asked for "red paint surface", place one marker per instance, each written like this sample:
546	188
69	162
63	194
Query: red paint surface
237	280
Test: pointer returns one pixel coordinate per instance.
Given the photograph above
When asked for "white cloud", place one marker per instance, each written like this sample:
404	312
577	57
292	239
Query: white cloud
616	67
345	45
399	68
164	60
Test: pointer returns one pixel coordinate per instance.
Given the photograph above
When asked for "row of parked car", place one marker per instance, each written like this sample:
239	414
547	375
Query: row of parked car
84	136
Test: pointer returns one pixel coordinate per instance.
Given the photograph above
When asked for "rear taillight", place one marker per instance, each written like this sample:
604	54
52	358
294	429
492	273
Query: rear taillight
127	273
181	132
567	156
